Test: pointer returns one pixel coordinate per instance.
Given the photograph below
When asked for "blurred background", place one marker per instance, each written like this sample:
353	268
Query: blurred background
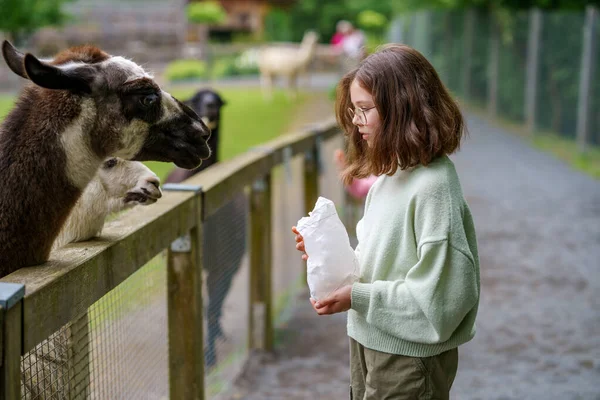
529	63
527	76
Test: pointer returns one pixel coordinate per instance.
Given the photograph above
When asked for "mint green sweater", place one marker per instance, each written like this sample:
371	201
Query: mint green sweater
419	269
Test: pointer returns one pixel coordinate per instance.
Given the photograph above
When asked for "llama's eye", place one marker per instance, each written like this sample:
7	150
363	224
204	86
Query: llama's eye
110	163
148	100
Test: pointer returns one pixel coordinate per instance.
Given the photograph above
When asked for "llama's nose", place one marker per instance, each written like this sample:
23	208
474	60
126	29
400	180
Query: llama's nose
155	180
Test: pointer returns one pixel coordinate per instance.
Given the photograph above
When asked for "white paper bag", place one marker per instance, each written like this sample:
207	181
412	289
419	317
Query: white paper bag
332	262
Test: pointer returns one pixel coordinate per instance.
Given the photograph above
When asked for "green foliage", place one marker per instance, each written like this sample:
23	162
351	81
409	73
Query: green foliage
179	70
240	65
413	5
20	18
320	16
278	26
206	12
223	67
559	72
372	21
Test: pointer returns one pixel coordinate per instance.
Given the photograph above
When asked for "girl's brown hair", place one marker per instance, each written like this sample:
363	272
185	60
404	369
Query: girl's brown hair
419	119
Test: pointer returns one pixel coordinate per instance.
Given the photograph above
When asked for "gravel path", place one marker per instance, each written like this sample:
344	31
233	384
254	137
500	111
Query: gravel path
538	225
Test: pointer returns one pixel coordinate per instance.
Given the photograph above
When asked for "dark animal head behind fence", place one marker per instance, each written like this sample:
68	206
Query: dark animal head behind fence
207	104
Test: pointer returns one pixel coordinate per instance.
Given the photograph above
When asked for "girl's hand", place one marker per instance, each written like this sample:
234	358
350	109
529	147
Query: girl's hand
338	301
300	243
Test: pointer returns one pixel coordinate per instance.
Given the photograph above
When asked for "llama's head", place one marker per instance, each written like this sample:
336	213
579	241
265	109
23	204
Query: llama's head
130	181
207	104
120	109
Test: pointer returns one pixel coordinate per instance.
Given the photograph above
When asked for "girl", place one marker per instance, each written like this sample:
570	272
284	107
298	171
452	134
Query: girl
418	293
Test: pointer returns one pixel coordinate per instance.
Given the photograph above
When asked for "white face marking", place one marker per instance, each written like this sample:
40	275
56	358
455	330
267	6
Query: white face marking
170	107
198	126
71	65
127	176
133	137
82	161
133	70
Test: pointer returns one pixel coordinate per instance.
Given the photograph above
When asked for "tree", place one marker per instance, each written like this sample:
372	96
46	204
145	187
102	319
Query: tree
20	18
322	16
206	12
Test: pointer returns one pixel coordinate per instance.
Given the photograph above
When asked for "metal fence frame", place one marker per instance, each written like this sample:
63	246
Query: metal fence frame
416	29
37	301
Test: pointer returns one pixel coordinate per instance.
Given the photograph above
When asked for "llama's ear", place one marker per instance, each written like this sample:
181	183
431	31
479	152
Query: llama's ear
14	59
48	76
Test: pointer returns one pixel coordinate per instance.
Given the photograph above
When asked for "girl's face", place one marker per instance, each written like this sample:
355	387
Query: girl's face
366	117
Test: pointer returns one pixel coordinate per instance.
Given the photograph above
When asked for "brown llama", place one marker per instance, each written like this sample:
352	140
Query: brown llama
81	107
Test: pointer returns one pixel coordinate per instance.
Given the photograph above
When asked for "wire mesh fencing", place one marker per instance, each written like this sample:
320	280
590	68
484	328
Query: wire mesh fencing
530	66
117	350
125	345
45	370
226	270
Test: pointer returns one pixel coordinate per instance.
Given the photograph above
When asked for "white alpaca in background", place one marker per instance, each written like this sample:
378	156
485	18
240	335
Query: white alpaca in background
119	184
287	62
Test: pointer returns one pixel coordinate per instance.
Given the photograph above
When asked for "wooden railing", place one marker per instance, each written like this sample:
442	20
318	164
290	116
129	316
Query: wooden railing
36	302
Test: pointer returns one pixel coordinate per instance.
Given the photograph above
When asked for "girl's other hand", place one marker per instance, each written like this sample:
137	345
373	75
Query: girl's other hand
300	243
338	301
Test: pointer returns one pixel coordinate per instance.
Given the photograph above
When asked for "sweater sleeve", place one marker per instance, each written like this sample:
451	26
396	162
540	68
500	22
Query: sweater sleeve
430	303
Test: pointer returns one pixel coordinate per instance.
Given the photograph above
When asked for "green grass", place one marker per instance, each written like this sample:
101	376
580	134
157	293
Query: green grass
6	103
247	120
561	147
566	150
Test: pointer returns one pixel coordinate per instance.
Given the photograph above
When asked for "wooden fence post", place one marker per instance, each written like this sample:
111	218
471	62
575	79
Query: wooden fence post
311	179
531	77
311	183
79	356
184	307
260	321
11	339
588	61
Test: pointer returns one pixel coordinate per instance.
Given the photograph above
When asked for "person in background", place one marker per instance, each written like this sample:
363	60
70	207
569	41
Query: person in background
348	45
358	187
342	28
353	44
355	194
418	294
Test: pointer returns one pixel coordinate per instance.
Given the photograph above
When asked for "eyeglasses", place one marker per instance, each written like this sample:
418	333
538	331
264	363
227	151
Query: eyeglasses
361	113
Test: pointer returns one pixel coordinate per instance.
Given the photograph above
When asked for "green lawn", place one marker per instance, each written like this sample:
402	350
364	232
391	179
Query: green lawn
247	120
6	103
566	150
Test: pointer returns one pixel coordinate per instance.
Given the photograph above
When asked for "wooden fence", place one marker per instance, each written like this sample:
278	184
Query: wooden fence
35	302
